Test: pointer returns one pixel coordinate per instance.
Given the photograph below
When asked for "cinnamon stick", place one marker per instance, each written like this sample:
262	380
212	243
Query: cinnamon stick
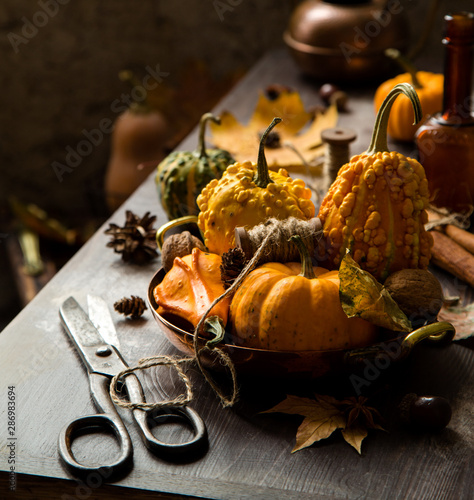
452	257
461	236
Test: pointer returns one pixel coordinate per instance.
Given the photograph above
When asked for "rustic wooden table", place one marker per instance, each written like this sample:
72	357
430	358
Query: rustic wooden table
249	452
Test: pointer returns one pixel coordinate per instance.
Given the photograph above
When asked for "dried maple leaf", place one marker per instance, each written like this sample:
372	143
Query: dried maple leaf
363	296
325	414
242	141
354	436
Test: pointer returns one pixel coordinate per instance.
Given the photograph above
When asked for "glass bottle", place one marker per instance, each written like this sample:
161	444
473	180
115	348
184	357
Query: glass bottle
445	141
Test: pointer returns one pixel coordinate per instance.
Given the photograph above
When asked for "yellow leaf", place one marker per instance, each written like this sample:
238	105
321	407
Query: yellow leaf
319	427
324	415
354	436
288	106
298	130
363	296
322	418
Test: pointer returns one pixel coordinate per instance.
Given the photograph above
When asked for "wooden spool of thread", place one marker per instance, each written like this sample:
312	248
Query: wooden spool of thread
338	140
279	248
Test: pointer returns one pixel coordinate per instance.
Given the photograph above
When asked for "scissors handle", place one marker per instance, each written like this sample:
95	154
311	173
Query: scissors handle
109	420
184	415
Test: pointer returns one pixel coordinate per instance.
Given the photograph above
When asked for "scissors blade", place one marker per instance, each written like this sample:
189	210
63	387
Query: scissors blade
98	356
99	314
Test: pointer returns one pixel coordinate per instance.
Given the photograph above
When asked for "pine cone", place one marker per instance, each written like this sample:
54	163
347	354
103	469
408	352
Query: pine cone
233	261
136	240
134	306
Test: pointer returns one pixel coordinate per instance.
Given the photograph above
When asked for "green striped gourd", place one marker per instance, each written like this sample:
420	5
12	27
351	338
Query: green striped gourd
182	175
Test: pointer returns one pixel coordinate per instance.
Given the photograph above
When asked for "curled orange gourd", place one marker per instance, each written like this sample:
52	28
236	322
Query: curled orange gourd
246	195
295	307
376	206
429	87
191	285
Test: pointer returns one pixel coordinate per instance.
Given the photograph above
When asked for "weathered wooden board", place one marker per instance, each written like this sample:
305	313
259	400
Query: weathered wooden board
249	453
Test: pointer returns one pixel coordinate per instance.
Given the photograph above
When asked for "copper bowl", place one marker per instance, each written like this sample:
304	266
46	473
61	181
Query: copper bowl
296	364
338	41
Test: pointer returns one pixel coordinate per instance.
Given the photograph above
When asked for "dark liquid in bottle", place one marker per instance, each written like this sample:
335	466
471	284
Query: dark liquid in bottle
446	141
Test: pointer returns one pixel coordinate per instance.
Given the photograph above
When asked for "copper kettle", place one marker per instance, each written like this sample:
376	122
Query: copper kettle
337	40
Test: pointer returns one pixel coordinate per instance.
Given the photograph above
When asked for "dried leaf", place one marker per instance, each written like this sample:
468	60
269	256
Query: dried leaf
354	436
316	428
325	414
295	405
242	141
462	318
363	296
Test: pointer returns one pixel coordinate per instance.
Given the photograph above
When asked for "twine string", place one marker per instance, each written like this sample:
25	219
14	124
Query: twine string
279	248
143	364
337	155
161	360
270	241
225	359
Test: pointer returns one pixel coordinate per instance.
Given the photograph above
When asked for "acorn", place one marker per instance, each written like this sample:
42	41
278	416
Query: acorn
427	413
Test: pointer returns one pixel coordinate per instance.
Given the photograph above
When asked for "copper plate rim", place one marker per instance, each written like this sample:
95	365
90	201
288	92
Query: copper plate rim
189	335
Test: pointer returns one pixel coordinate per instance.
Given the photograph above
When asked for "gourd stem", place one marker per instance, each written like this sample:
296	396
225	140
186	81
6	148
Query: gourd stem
406	65
137	107
202	130
378	143
307	270
262	178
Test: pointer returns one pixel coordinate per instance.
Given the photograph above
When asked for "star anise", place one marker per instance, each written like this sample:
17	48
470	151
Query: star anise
356	410
233	261
136	239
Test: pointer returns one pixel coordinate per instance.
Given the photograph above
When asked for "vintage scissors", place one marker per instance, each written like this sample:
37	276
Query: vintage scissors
103	361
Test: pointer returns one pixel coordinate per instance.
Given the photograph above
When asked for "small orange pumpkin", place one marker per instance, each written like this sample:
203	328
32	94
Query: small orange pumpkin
295	307
429	87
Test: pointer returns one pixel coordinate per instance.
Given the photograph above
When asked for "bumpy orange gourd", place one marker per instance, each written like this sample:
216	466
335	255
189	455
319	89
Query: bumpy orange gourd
246	195
191	285
295	307
429	87
376	206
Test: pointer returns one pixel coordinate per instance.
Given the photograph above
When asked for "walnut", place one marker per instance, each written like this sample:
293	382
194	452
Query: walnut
418	294
178	245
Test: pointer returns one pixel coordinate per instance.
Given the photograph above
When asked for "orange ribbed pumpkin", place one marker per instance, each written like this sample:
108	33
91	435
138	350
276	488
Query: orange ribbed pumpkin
295	307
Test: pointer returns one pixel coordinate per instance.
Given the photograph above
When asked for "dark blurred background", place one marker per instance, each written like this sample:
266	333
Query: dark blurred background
60	80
